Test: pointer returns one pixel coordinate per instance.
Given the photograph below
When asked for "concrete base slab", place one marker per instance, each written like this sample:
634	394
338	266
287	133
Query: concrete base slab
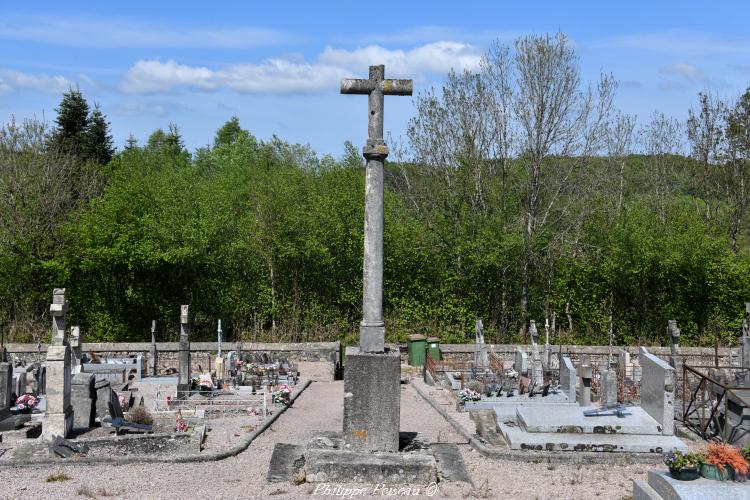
700	489
518	439
505	408
570	420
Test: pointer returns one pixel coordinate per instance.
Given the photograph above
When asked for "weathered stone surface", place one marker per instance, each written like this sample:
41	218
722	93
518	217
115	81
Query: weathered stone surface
83	400
6	388
14	422
450	462
657	390
372	398
102	388
608	389
286	461
184	360
521	364
486	422
374	468
700	489
568	378
58	420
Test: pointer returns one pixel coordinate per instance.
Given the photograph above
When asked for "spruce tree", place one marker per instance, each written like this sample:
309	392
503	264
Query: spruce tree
71	123
98	145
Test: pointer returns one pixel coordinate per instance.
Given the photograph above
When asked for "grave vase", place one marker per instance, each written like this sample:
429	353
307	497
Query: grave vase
685	473
710	471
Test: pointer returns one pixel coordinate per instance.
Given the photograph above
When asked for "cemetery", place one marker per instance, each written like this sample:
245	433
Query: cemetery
255	320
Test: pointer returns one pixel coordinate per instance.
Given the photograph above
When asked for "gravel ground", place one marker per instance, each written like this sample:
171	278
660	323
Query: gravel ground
319	408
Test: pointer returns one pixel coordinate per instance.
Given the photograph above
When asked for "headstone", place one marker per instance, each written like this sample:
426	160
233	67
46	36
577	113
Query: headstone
568	378
608	388
586	375
75	349
372	377
674	340
103	388
83	399
115	410
521	363
58	420
183	384
657	390
6	389
537	373
153	355
480	349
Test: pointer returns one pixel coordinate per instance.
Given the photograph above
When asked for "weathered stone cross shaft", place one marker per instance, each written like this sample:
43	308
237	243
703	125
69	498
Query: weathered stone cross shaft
372	327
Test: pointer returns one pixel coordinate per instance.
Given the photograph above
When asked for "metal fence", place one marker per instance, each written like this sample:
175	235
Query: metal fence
215	404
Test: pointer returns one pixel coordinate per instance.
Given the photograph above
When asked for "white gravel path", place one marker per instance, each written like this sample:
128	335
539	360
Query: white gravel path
320	407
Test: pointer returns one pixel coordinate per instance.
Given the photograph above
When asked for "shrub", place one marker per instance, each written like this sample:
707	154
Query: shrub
722	455
140	415
54	478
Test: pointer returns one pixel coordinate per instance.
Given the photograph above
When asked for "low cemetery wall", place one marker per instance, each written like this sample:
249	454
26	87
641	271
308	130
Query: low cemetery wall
203	354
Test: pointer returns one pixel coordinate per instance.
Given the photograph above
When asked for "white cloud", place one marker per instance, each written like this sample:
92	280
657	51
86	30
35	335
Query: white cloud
684	70
130	32
284	76
11	80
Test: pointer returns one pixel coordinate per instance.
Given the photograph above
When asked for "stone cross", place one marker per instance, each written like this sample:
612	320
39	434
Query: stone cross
218	333
76	348
183	383
480	351
674	338
58	309
537	374
153	355
372	327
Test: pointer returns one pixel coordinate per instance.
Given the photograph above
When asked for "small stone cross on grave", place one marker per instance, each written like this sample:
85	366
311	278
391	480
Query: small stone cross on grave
372	327
674	339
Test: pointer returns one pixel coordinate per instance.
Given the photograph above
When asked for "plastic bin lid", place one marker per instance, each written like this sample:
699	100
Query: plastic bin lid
415	336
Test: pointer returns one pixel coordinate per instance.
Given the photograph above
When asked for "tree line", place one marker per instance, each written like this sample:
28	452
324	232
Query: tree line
519	193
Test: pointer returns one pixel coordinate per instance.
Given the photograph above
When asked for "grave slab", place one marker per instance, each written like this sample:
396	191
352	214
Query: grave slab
286	461
369	467
570	420
700	489
450	463
518	439
642	491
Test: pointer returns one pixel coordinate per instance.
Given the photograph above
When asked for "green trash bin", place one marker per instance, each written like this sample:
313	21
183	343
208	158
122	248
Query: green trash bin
415	347
433	348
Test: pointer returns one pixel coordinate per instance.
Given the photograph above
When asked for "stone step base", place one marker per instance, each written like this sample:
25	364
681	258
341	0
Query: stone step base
664	486
519	439
642	491
570	420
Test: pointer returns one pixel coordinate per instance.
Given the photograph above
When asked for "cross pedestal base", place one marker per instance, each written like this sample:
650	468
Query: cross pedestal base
372	400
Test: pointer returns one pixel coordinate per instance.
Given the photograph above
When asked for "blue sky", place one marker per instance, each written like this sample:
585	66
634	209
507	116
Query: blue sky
276	65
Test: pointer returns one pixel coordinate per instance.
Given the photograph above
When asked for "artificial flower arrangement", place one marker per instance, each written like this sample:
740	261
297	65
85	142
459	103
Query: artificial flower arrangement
468	395
727	461
283	394
26	403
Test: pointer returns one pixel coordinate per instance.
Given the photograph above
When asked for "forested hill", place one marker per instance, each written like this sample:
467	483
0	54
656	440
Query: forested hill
495	213
269	238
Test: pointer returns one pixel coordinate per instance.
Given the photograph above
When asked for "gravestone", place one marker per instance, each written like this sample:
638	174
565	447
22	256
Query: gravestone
83	399
6	385
521	363
657	390
608	389
153	355
480	349
75	349
547	359
745	342
218	335
372	394
103	388
183	384
673	333
568	378
537	374
58	420
586	375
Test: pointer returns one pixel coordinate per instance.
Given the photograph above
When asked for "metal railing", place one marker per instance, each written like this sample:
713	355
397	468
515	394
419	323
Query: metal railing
216	404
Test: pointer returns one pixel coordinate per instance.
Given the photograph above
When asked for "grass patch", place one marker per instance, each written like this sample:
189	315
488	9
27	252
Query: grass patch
54	478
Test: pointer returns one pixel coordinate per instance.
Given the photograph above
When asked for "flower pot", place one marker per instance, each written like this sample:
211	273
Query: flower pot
685	473
710	471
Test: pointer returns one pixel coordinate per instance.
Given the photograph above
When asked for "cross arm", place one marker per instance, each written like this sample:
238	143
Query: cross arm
388	87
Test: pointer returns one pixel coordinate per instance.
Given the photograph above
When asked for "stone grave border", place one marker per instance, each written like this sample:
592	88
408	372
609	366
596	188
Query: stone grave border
136	459
565	457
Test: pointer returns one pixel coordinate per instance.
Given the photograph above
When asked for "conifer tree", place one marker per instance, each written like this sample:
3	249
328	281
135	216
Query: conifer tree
98	139
71	123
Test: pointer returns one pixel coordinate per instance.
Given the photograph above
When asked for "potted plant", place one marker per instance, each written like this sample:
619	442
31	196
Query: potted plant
26	403
684	466
724	461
